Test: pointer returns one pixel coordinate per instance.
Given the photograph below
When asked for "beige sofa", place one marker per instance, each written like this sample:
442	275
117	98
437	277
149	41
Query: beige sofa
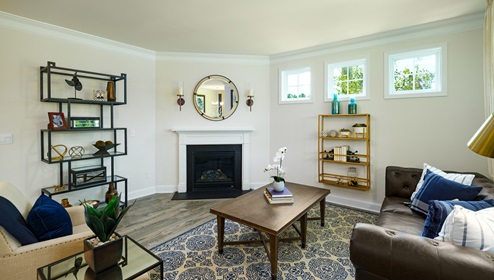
21	262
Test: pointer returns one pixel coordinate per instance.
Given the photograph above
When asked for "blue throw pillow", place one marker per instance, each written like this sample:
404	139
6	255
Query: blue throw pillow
439	210
48	219
436	187
13	222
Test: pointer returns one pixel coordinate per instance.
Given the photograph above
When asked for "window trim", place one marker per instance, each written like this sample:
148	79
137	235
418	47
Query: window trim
282	86
328	96
441	67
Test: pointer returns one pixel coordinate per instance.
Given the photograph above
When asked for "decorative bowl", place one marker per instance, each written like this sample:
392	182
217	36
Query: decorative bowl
93	202
103	150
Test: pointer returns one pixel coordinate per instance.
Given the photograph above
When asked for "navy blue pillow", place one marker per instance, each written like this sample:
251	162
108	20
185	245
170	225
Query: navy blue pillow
439	210
48	219
436	187
13	222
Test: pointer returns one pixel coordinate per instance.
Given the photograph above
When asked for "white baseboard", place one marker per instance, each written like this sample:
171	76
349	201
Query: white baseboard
357	204
142	192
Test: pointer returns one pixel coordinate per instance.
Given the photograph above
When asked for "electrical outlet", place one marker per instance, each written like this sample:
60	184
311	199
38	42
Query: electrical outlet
6	138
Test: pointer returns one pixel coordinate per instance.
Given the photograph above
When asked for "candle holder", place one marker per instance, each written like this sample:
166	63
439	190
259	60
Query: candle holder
249	101
180	100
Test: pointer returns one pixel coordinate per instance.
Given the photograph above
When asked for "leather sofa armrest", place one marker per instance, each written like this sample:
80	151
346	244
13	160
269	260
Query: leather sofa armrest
388	254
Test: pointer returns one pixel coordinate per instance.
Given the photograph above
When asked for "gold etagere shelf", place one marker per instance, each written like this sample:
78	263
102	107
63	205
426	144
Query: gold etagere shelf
331	163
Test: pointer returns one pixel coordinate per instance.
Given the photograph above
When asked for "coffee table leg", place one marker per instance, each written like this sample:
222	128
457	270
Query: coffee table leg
303	229
322	209
273	250
221	233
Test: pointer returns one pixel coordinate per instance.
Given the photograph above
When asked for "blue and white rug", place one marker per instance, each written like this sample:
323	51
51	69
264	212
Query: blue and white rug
194	254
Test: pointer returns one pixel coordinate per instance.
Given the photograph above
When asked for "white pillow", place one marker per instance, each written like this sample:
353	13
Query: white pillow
468	228
465	179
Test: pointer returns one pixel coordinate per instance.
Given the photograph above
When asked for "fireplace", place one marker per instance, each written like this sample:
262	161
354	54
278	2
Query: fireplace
214	168
213	137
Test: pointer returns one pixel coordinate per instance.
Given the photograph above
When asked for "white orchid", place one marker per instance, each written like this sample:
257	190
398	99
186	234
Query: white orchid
278	166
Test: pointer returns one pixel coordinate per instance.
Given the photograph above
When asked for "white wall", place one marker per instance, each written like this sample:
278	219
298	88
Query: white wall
23	50
404	132
243	71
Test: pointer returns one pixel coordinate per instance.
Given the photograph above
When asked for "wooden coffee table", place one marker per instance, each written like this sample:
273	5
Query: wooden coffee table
253	210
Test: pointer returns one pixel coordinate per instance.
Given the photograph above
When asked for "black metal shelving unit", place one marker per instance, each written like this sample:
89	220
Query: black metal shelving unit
65	105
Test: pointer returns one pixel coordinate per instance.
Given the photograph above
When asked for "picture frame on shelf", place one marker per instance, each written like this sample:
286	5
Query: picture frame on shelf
84	122
57	120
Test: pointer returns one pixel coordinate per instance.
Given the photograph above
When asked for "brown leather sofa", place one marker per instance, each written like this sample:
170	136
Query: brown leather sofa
394	249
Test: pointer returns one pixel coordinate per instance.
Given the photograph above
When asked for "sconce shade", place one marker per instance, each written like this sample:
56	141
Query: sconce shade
482	141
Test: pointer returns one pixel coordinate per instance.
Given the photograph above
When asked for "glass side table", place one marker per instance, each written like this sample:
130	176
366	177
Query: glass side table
136	261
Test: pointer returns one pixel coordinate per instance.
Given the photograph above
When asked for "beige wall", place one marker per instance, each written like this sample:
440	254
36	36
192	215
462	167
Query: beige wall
405	132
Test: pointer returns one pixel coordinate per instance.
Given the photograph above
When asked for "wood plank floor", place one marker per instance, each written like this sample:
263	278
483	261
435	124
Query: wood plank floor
156	218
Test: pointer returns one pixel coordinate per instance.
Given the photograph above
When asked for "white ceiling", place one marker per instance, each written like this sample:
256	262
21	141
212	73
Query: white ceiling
253	27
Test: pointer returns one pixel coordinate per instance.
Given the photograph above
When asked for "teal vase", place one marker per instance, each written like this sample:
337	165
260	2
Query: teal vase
352	106
335	105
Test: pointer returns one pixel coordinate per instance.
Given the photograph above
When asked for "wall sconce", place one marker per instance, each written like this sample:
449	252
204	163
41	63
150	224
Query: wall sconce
250	102
180	94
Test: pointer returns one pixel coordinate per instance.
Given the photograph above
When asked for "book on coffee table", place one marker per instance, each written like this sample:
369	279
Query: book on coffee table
284	193
280	200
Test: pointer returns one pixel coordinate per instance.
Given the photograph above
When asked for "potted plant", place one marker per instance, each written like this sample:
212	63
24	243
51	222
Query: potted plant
359	129
279	181
105	249
344	133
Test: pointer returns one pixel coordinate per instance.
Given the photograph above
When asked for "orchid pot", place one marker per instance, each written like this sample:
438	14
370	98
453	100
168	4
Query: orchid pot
279	186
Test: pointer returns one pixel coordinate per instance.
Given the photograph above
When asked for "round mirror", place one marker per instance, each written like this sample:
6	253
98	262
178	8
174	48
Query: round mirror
216	97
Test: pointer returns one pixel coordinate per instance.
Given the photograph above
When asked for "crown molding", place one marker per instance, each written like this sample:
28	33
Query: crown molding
450	26
40	28
438	28
214	58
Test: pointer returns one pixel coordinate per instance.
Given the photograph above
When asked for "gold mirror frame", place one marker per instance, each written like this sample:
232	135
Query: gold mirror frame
212	100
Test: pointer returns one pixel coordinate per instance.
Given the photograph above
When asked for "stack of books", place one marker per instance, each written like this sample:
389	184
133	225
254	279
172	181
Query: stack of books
283	197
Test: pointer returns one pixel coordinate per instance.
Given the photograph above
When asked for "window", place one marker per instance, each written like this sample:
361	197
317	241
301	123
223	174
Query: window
296	85
419	73
347	79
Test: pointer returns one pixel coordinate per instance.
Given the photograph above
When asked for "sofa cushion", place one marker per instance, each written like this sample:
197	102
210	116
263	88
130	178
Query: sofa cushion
465	179
403	223
469	228
439	210
48	219
13	222
436	187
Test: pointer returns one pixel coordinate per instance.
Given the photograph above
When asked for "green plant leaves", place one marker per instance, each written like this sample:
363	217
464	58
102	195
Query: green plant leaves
104	223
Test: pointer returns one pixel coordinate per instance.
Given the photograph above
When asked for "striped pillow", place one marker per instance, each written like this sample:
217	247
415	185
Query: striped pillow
470	229
440	209
465	179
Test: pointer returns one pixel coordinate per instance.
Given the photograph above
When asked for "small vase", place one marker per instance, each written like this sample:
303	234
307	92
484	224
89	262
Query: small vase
112	191
278	186
110	90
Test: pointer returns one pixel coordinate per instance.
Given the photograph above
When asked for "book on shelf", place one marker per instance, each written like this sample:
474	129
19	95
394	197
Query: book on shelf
284	200
284	193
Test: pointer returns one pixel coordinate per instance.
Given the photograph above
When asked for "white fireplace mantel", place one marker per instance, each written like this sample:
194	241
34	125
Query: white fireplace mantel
216	136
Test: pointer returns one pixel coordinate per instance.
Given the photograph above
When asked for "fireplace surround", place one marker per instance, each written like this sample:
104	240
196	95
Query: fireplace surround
235	136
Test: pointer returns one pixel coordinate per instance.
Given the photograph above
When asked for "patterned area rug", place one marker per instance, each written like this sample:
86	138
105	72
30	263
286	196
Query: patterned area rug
194	254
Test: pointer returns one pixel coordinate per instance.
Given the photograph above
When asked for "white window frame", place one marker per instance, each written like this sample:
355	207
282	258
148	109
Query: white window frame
329	81
283	94
439	50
